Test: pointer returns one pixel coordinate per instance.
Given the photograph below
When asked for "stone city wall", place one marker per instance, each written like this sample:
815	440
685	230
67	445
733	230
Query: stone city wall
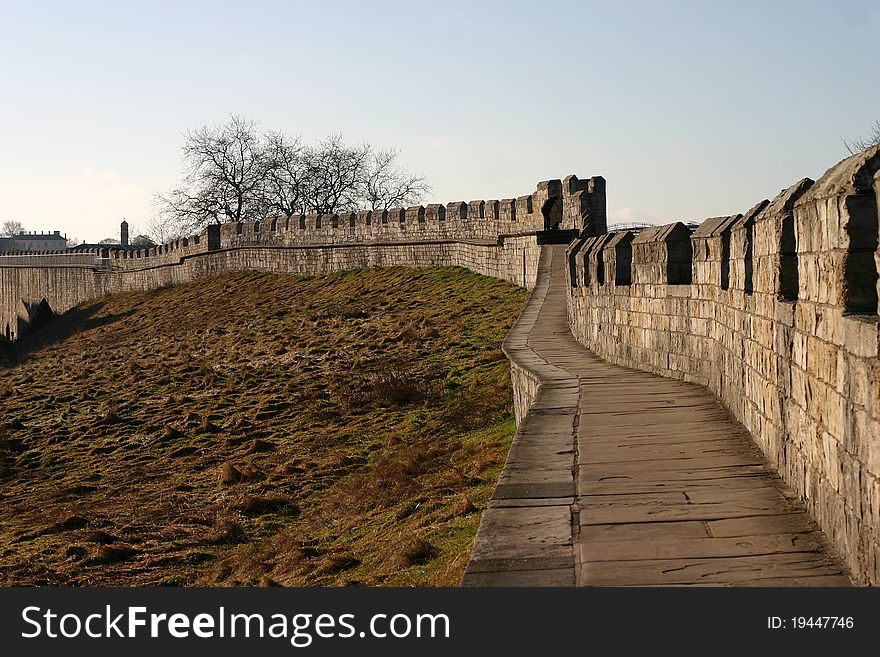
27	290
775	311
495	238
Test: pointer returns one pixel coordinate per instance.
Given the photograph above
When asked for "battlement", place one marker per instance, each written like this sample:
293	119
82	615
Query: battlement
477	220
553	205
823	234
489	236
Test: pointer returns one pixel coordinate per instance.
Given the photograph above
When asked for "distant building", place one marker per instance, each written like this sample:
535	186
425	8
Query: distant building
122	243
53	241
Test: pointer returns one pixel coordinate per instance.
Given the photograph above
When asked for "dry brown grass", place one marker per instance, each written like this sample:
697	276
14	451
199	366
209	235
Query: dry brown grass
256	429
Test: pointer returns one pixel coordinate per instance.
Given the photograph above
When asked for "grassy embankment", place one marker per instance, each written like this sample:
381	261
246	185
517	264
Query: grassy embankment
253	428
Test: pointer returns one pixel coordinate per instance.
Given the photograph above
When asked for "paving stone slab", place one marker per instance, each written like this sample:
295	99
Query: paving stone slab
549	489
519	563
618	486
521	452
530	532
784	522
534	477
611	513
816	580
531	501
644	532
543	578
653	453
709	571
626	473
672	469
698	548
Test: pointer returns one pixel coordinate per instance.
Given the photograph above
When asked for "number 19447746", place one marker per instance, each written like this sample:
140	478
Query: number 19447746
810	622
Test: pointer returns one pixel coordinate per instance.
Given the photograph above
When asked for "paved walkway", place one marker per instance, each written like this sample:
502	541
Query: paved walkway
623	478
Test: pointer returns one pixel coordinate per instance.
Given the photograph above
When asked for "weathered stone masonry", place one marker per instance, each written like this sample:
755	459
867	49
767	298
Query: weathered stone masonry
775	311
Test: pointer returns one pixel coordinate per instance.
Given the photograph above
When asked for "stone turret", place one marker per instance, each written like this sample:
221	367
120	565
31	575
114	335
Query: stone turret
123	233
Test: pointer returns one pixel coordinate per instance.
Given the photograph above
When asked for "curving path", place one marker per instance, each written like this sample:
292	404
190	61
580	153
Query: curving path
618	477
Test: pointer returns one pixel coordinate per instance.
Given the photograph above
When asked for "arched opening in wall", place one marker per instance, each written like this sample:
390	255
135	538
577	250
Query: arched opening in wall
239	228
256	226
725	260
861	266
551	221
600	266
318	221
273	226
8	333
572	265
302	222
334	221
788	261
351	221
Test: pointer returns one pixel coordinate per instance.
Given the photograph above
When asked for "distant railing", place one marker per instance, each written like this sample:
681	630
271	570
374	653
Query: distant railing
91	260
633	226
636	226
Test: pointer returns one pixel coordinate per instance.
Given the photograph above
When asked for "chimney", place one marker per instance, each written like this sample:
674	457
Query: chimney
123	233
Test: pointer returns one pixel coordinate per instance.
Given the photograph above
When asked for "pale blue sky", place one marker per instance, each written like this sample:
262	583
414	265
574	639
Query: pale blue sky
689	109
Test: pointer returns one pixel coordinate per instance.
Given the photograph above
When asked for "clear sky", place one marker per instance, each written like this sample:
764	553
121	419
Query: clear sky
689	109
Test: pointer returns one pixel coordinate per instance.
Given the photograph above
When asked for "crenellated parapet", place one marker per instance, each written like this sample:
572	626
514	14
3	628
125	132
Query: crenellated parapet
489	220
489	236
480	220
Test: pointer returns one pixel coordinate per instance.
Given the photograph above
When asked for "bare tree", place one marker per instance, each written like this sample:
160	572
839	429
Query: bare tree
335	175
858	145
166	227
385	186
286	175
11	228
224	173
235	173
